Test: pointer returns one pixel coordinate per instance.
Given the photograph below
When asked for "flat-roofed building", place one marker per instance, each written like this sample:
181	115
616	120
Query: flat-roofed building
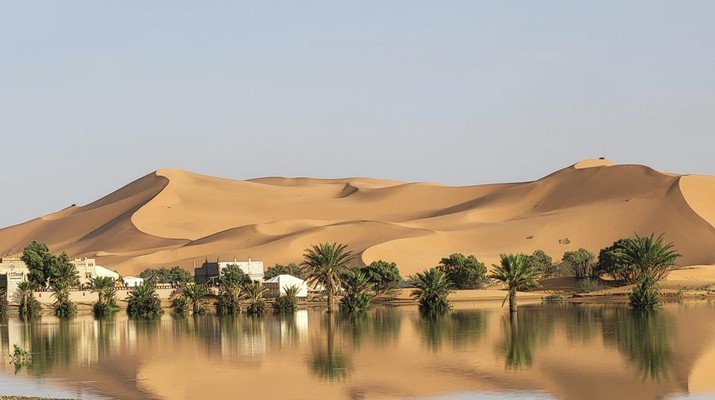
12	271
209	272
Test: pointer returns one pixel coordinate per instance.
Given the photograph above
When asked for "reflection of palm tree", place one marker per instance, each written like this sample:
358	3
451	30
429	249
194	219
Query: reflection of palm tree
644	338
522	334
326	362
460	328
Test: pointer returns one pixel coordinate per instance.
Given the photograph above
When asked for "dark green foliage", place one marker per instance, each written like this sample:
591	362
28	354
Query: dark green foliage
278	269
254	294
233	274
175	275
63	306
324	264
647	256
356	297
464	272
382	275
143	302
106	290
29	306
287	302
46	268
645	295
581	262
608	264
228	298
39	261
194	295
544	264
517	273
180	305
432	289
631	260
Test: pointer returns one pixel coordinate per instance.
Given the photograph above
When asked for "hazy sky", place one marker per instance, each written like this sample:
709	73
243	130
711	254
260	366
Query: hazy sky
95	94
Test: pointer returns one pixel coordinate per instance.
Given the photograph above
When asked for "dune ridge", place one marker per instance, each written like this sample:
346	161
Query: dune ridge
174	217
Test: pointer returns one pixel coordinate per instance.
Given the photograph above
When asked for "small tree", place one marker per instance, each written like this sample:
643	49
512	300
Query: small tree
356	297
644	295
63	306
543	263
581	263
254	294
230	291
432	289
39	262
517	273
383	275
143	302
463	272
278	269
234	274
106	291
648	256
29	306
287	302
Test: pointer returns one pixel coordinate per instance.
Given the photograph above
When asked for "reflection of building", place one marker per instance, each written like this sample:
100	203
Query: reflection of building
210	271
278	285
12	271
87	269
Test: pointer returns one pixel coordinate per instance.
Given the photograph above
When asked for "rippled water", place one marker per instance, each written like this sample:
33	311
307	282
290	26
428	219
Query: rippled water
476	351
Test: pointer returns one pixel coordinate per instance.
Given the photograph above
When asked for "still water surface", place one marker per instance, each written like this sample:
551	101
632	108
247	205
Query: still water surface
475	352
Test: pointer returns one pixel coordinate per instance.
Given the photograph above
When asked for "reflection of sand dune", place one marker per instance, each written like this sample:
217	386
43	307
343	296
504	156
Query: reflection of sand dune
174	217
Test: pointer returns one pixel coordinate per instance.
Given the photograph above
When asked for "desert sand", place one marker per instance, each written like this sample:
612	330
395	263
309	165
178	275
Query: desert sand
174	217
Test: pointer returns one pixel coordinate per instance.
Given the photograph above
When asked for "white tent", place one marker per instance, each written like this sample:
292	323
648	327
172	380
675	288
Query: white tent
278	284
101	271
132	281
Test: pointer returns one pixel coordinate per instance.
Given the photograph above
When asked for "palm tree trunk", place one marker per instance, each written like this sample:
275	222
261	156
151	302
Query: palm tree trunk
330	300
512	300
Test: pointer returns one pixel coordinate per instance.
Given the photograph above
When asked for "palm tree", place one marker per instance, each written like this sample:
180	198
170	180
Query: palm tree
518	273
647	255
357	288
143	302
433	287
104	287
29	306
254	294
288	302
194	294
323	264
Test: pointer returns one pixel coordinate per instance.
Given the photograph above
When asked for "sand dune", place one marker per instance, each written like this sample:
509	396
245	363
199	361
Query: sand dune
173	217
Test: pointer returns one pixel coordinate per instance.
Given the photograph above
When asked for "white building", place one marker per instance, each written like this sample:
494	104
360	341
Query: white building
278	284
87	269
254	269
12	271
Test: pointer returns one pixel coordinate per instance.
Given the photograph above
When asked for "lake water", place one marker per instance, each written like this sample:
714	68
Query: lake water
475	352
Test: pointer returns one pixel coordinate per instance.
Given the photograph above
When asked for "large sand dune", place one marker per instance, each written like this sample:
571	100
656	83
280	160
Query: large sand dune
173	217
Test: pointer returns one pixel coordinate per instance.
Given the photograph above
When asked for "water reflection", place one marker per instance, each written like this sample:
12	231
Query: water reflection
644	338
459	328
395	352
523	333
328	361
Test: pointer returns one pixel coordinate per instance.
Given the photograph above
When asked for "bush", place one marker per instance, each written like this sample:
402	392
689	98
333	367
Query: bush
3	302
463	272
100	310
645	295
633	259
287	303
180	305
356	286
383	275
62	306
432	289
543	263
581	263
143	302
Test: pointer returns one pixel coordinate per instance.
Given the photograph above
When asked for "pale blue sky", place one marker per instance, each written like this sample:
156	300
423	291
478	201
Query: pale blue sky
94	94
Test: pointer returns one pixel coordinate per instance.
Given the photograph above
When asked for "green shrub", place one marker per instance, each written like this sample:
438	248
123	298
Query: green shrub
645	295
463	272
143	302
287	303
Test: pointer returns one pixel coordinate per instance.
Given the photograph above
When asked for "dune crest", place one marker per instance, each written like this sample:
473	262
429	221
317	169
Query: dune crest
175	217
